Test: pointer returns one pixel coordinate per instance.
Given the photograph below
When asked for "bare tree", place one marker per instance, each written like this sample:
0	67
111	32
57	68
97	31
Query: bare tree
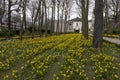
9	14
58	15
2	9
67	10
10	4
46	20
62	15
35	18
114	6
24	12
106	9
84	6
53	17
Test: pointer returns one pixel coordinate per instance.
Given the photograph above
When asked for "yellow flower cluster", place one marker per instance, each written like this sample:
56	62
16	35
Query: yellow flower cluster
1	65
104	66
74	63
111	35
71	55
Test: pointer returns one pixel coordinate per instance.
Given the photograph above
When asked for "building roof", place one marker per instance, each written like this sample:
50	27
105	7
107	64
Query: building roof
76	19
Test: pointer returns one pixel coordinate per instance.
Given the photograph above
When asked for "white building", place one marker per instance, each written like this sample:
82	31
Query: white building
75	25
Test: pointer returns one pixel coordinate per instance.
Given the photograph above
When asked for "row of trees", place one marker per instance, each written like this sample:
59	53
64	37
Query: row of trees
98	24
44	14
111	11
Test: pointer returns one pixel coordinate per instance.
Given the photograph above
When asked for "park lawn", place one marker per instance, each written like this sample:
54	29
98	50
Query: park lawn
63	57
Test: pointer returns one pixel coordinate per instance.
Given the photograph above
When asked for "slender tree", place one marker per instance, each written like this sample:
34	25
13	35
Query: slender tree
53	17
84	6
35	19
9	14
46	20
106	22
62	15
58	16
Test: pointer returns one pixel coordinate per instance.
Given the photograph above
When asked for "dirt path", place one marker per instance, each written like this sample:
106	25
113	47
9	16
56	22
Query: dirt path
112	40
54	69
88	67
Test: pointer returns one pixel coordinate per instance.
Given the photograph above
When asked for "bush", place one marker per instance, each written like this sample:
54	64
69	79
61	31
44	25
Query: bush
29	29
116	31
5	32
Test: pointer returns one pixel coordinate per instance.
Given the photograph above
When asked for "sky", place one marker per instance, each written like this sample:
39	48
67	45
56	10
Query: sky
75	12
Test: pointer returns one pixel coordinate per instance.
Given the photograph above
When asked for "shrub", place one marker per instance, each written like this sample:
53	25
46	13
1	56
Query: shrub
5	32
116	31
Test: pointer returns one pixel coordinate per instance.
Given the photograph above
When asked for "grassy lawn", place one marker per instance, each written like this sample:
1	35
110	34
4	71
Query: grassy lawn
63	57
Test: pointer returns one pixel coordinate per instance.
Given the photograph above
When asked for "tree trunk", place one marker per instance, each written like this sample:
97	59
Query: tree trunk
24	14
33	25
85	6
62	21
46	21
51	29
65	23
42	17
57	29
98	25
21	30
107	28
39	21
9	15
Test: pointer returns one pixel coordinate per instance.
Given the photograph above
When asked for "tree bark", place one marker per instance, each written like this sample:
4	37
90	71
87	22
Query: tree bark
98	25
39	21
57	29
33	25
51	29
85	7
24	14
9	15
42	16
107	27
62	20
46	20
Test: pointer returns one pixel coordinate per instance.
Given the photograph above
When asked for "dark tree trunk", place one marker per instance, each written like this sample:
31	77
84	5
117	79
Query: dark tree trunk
85	6
42	16
39	21
57	29
46	20
65	23
21	30
24	13
98	25
51	29
35	19
106	26
9	14
62	21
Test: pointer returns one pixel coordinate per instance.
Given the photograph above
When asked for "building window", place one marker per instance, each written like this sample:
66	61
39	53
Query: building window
76	24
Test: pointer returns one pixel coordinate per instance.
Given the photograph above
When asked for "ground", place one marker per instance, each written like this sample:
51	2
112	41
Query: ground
63	57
